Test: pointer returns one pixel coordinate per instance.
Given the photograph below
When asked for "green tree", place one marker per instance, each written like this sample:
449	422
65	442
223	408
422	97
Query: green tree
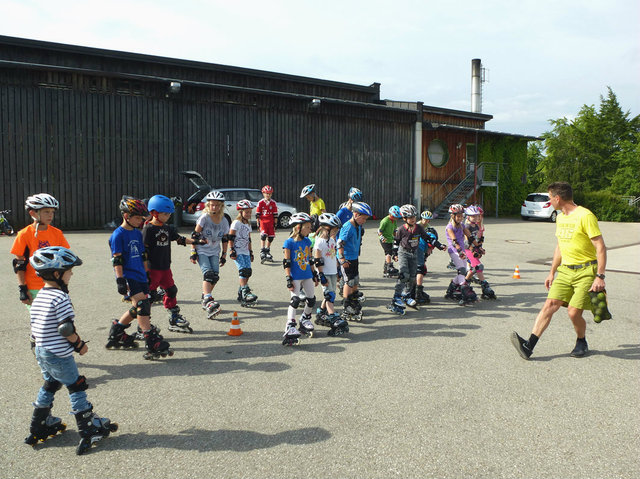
626	179
535	157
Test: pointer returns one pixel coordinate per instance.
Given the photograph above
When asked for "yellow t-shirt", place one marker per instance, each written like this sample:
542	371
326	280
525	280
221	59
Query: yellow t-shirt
316	207
574	233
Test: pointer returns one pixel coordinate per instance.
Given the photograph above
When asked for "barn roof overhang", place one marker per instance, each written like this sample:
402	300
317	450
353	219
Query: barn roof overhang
426	125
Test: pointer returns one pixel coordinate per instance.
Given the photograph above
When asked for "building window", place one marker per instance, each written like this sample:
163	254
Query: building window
438	154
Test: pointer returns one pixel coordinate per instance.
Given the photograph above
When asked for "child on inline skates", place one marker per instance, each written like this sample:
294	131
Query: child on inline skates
157	236
349	243
424	250
42	208
344	212
241	252
386	231
324	253
128	258
266	212
407	238
476	228
213	228
53	327
301	278
459	289
316	205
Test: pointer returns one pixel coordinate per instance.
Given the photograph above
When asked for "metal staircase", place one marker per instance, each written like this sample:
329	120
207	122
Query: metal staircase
488	175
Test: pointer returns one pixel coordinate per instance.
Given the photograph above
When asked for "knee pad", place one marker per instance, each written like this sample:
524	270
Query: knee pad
52	386
172	292
211	276
330	296
352	282
133	311
263	237
403	278
480	267
144	307
270	239
79	385
462	271
245	273
422	269
295	302
311	302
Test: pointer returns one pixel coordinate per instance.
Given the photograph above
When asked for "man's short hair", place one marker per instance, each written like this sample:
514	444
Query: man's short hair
561	189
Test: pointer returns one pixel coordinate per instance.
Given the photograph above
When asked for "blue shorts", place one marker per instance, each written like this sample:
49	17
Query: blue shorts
243	261
209	263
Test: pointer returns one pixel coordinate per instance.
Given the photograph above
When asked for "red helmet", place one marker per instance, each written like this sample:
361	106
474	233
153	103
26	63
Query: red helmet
267	189
456	208
244	205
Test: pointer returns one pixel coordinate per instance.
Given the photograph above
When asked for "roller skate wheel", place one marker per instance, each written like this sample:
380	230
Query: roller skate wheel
113	427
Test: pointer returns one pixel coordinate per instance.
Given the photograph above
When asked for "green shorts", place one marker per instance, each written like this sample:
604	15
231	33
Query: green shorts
572	286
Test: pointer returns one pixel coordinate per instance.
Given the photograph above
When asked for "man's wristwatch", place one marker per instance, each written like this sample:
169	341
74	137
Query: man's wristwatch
601	276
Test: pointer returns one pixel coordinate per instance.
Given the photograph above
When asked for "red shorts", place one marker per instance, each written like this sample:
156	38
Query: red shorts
267	228
163	279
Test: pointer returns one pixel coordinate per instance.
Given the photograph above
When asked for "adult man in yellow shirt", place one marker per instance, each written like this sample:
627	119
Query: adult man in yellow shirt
579	260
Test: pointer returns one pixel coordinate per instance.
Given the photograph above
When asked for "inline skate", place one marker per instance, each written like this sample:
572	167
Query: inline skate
268	255
177	323
118	338
246	298
211	306
397	305
263	255
487	292
352	309
338	325
291	335
389	271
156	296
306	326
156	346
421	296
409	301
43	426
92	428
453	292
468	295
140	335
322	317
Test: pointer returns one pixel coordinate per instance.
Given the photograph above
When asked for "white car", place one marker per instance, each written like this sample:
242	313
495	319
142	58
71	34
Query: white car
537	205
194	205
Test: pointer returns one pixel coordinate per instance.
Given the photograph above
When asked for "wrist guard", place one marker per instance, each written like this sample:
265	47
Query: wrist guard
323	279
123	288
233	254
23	292
194	255
223	259
78	345
289	281
182	241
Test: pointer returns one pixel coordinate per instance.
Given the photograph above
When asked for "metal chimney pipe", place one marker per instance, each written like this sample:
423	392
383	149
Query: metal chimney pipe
476	86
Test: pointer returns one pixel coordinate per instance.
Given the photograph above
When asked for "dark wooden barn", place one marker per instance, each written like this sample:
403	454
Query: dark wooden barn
89	125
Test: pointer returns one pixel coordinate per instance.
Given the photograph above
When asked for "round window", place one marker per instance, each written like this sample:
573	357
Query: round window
437	152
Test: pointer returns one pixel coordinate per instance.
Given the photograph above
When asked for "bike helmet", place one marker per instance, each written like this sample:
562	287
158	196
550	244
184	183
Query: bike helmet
473	210
395	211
300	218
133	206
53	258
426	215
244	205
307	190
41	200
408	211
267	189
355	194
362	208
161	204
329	219
214	195
456	208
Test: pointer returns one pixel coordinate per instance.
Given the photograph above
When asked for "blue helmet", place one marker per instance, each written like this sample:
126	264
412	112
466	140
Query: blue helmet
362	208
395	211
53	258
355	194
426	215
161	204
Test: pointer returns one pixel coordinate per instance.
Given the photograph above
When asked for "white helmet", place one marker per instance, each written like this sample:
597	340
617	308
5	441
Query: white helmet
244	205
407	211
41	200
329	219
307	190
214	195
300	218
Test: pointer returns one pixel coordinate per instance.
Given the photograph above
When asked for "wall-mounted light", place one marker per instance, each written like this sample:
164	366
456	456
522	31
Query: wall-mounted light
315	103
459	145
174	86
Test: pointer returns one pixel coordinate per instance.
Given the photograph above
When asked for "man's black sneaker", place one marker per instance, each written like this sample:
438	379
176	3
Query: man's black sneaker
581	349
520	345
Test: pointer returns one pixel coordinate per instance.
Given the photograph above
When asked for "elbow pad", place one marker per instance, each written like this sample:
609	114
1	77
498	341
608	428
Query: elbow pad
286	263
231	237
19	265
225	239
319	261
66	328
117	260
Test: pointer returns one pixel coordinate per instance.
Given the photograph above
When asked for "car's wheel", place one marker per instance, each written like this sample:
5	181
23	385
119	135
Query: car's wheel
553	216
524	218
283	220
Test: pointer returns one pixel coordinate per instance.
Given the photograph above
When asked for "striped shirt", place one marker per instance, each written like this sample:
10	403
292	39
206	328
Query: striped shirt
51	307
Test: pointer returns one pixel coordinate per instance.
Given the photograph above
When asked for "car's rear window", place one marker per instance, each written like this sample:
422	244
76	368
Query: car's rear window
234	195
254	195
538	198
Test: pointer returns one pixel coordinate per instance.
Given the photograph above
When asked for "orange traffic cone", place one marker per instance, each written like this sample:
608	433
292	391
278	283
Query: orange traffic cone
516	273
235	326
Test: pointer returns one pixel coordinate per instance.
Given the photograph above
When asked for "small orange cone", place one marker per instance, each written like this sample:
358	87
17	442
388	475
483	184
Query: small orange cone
516	273
235	326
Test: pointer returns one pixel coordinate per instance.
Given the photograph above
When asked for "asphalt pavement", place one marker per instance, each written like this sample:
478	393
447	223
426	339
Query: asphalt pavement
439	392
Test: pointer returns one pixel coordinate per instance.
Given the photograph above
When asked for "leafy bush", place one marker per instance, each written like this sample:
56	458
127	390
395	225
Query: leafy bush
607	206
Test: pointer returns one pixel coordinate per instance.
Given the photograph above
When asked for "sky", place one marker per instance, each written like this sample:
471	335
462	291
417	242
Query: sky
544	59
